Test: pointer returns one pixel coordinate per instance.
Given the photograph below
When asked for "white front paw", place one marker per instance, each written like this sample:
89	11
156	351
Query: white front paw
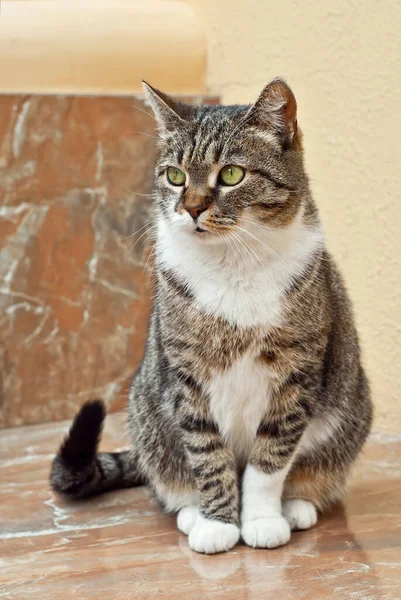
268	532
186	518
209	536
300	514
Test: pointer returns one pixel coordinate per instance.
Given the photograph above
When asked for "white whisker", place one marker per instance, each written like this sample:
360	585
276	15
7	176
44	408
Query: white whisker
270	250
143	133
248	249
231	246
151	253
138	230
143	111
253	222
143	195
153	228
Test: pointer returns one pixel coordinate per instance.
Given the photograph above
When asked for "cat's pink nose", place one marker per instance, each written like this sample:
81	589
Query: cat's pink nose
195	211
196	206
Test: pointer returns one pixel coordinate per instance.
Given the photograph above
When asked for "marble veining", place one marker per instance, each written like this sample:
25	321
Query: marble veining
119	546
75	177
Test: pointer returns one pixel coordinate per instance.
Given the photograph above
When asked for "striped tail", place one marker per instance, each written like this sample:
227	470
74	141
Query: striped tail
79	471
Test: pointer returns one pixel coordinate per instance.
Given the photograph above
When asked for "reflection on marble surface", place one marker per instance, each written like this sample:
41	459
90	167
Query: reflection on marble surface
119	546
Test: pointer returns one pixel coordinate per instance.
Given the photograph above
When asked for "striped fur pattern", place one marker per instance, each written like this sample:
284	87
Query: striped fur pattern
251	403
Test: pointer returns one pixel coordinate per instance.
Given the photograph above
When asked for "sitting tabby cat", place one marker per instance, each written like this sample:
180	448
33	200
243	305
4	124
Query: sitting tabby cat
251	403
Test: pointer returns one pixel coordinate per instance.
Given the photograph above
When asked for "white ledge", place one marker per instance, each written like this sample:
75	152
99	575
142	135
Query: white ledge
100	47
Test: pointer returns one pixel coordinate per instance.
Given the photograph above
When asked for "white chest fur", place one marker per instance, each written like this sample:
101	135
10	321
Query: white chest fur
243	281
238	400
244	284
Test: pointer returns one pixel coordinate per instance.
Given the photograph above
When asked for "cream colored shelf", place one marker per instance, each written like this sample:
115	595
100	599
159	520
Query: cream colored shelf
100	47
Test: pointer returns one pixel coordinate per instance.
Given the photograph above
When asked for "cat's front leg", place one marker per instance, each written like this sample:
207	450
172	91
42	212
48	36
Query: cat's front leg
262	522
214	525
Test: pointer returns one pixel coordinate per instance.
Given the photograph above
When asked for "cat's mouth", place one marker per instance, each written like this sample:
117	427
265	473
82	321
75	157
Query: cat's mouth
210	230
204	234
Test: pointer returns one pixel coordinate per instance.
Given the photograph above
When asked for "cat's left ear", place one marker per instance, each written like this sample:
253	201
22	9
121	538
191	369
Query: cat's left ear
276	111
170	114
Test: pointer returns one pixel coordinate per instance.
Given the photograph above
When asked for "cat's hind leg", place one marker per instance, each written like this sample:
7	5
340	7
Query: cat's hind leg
311	486
299	513
182	501
173	498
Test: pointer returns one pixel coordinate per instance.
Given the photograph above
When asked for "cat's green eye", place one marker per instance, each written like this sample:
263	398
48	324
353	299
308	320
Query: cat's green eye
231	175
175	176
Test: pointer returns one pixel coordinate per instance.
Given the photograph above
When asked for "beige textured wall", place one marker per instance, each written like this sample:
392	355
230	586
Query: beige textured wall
100	46
343	60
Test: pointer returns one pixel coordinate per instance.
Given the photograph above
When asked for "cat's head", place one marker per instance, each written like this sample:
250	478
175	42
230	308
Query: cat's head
224	167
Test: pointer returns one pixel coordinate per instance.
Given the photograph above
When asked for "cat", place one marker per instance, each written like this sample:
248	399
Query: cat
251	403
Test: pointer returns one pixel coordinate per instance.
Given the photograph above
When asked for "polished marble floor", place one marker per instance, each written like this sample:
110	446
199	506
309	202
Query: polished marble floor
120	546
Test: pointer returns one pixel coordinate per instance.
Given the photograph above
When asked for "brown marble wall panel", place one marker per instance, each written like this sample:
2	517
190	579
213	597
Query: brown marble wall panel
74	293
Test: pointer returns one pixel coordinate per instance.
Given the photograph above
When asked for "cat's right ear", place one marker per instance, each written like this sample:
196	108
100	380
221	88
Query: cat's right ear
276	111
170	114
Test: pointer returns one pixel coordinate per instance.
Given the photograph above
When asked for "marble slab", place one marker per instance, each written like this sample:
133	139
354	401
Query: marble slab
75	178
119	546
